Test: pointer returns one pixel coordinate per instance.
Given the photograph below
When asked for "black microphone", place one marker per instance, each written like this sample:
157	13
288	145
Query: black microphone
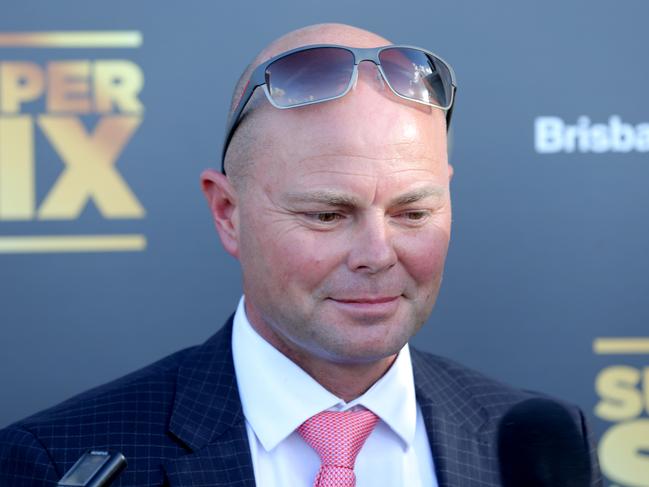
540	445
95	468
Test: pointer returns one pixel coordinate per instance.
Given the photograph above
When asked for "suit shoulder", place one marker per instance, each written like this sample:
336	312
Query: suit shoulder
464	377
474	389
129	414
23	460
460	384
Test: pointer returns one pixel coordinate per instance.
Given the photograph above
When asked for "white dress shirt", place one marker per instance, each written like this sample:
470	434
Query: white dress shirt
277	396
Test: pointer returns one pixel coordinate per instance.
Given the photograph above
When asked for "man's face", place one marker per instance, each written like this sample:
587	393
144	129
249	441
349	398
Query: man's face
344	224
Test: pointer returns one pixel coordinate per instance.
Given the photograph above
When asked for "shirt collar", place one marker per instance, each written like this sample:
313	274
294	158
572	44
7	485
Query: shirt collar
277	396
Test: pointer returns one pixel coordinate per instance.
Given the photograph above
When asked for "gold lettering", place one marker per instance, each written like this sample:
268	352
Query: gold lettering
621	453
645	388
19	82
620	400
16	168
68	86
89	167
117	82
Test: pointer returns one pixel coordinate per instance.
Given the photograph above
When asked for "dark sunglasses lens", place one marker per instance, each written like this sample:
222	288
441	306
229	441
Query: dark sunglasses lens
416	75
309	76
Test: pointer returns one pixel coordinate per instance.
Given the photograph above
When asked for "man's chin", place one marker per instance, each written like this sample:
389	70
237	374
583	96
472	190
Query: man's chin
362	350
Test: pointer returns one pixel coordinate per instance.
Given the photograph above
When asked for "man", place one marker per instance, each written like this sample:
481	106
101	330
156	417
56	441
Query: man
336	203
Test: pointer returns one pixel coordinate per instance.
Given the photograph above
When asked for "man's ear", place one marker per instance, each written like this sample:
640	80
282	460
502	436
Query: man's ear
222	200
450	171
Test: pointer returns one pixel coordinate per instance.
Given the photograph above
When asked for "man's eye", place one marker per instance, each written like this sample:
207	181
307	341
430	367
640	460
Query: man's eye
415	215
325	217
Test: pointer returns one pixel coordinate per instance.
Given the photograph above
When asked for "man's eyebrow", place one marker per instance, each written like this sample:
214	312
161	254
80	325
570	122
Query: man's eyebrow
337	199
329	198
417	195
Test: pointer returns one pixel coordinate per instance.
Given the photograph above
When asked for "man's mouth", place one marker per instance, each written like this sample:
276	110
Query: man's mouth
364	307
367	300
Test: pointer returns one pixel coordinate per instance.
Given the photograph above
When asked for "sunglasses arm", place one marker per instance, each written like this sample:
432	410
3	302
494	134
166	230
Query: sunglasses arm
449	112
256	80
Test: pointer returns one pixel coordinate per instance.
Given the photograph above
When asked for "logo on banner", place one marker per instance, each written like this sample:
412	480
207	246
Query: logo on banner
553	135
623	391
86	111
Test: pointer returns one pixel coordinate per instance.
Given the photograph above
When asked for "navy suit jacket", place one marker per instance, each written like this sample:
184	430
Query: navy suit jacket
179	422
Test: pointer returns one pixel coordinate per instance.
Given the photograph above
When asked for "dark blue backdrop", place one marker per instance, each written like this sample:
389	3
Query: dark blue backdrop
548	265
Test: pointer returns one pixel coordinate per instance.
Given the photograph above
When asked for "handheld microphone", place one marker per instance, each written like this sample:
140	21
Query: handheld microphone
540	445
95	468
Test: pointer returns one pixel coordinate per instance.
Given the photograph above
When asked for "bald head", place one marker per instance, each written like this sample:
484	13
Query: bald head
249	136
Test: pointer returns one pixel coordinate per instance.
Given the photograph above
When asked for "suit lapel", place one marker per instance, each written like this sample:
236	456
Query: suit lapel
208	420
462	446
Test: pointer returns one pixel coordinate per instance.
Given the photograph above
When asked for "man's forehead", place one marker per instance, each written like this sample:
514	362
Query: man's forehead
366	127
363	157
327	171
364	133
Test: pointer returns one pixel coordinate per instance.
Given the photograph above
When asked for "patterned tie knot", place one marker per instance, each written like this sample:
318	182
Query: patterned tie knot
337	437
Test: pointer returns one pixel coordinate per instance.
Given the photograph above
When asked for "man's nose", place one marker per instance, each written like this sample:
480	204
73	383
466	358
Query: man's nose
372	249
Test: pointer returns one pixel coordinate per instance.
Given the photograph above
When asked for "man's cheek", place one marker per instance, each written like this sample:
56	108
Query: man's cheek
427	261
305	271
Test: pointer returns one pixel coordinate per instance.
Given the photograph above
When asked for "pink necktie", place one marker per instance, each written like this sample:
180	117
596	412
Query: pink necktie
337	437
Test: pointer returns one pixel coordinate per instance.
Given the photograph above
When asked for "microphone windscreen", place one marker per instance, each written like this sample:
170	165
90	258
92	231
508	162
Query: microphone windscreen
540	445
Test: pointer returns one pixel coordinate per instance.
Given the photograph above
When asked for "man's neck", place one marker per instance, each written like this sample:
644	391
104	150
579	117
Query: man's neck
345	379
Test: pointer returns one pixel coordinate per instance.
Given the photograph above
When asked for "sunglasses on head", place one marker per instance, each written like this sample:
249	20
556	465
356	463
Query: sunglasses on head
323	72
